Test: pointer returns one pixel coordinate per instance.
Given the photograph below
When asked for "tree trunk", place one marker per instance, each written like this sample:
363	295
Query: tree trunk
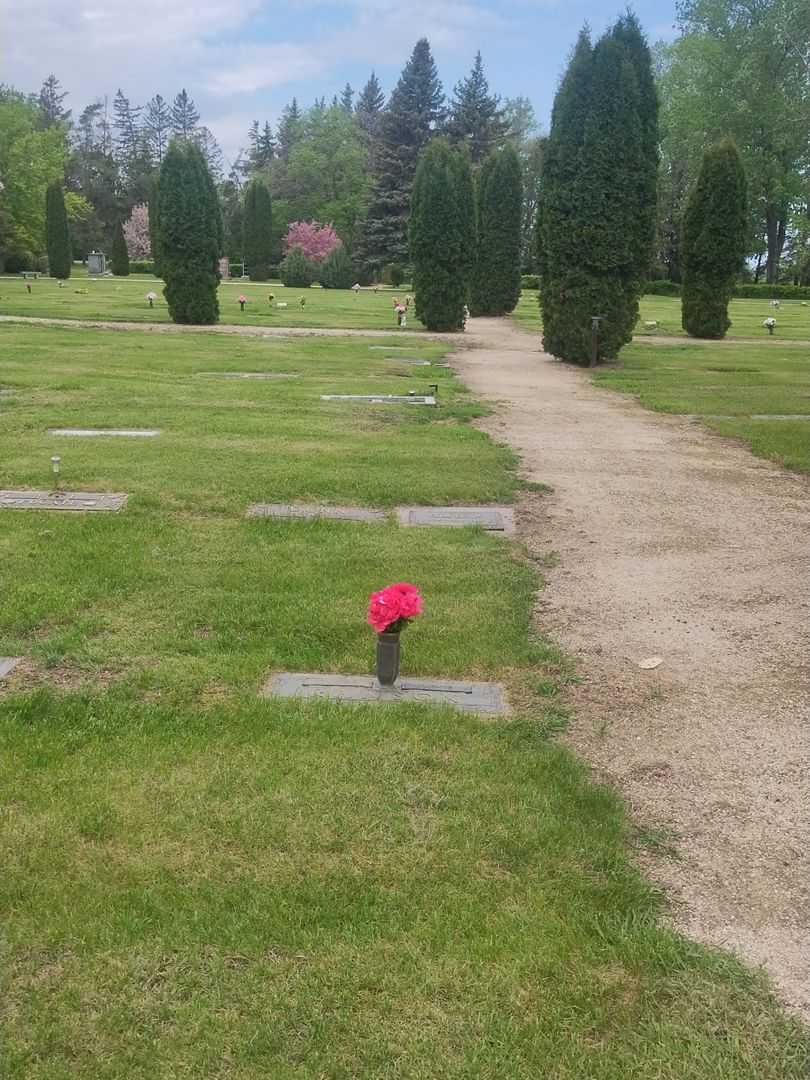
775	232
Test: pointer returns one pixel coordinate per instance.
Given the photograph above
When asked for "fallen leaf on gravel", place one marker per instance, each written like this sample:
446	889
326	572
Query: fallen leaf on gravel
651	662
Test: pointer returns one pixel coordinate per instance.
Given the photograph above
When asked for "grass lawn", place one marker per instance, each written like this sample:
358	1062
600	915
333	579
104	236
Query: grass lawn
792	319
125	299
198	882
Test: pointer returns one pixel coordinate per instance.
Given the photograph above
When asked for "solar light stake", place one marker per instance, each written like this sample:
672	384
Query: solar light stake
595	321
56	461
434	388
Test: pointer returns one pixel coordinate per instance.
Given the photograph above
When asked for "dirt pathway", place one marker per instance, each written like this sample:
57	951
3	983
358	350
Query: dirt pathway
677	544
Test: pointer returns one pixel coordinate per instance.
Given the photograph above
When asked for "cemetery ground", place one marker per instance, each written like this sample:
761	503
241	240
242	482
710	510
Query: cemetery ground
199	881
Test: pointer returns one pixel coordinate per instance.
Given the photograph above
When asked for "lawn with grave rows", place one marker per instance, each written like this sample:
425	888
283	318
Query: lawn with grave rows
200	882
124	299
792	318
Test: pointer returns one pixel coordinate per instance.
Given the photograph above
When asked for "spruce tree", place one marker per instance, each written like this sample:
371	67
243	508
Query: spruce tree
120	252
190	235
414	111
258	230
57	233
715	231
336	270
496	279
157	127
290	129
442	230
184	115
476	119
369	106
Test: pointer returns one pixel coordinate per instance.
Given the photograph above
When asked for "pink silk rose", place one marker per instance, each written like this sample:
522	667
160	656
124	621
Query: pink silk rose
393	605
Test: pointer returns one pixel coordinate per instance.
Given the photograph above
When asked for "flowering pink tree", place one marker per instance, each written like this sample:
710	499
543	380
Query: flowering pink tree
314	239
136	232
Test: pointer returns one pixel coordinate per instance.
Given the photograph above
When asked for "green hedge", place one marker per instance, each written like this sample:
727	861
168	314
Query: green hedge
530	281
141	266
740	292
662	288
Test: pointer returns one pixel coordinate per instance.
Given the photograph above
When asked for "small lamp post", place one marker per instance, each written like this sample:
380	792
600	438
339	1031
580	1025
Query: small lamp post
56	462
595	321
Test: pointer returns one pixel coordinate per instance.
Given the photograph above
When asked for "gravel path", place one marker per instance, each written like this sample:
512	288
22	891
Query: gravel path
678	544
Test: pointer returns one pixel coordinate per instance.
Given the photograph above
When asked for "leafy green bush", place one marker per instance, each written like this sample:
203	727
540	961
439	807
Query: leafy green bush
19	261
297	270
662	288
336	270
141	266
394	275
530	281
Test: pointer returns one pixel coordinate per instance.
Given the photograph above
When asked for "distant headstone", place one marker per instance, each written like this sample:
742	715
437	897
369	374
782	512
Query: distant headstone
408	360
491	518
247	374
224	269
298	510
91	433
383	399
61	500
473	697
96	263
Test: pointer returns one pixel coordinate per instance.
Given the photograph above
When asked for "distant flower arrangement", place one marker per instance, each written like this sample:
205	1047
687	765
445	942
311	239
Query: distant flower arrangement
390	609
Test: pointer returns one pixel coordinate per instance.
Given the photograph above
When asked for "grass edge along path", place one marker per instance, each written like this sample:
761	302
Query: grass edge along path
200	882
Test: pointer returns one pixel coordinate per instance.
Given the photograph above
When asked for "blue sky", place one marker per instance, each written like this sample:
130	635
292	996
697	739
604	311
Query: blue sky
244	59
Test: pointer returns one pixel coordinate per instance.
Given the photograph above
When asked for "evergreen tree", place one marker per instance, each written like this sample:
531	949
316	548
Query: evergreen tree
51	96
157	128
258	230
262	146
154	225
414	111
476	119
336	270
184	115
128	137
297	271
232	219
57	233
209	148
370	102
347	99
442	229
496	280
120	252
715	230
596	241
290	129
190	235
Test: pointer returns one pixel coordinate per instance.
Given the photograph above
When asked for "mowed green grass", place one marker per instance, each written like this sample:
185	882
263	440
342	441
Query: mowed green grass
124	299
198	882
792	318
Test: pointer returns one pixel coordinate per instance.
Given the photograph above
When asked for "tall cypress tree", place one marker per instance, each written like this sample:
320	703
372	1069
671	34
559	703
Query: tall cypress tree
258	226
414	111
120	252
57	233
442	228
594	243
190	235
496	280
476	119
715	231
154	225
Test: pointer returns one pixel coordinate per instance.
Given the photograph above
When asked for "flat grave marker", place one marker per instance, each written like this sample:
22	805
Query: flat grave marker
62	500
247	374
474	697
492	518
7	665
336	513
412	360
383	399
92	433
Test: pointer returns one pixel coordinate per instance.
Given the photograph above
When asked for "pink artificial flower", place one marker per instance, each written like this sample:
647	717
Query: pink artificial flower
394	605
241	299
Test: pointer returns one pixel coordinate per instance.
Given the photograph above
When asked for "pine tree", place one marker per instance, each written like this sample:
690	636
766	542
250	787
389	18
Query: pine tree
51	96
336	270
262	146
370	102
190	236
184	115
290	129
347	99
442	229
496	279
414	111
157	126
120	253
128	137
258	230
715	232
154	225
476	119
57	233
210	150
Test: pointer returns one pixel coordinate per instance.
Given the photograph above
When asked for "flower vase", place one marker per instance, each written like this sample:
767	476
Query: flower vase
387	658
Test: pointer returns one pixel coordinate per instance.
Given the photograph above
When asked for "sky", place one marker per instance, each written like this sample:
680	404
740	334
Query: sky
245	59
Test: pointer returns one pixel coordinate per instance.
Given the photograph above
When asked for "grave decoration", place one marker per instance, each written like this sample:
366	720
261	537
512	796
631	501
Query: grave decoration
769	324
151	297
242	301
389	613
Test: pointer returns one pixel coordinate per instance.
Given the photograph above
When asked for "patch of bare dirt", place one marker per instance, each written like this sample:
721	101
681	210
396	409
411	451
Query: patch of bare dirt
678	544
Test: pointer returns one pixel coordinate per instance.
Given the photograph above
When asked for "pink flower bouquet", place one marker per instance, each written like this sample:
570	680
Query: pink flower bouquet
390	609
